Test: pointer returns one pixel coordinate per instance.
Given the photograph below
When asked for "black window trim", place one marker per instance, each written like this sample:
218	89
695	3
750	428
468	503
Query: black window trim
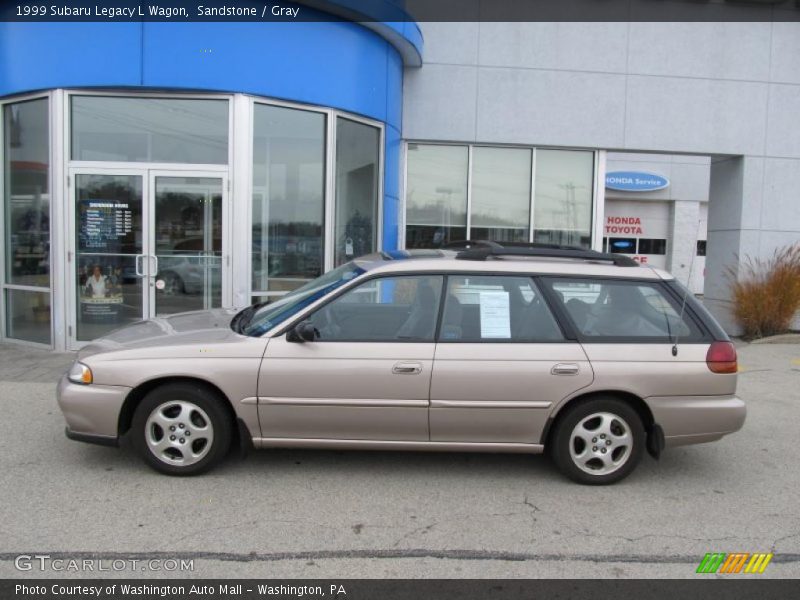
568	329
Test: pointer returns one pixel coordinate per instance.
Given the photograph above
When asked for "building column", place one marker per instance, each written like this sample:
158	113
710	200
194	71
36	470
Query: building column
734	221
684	226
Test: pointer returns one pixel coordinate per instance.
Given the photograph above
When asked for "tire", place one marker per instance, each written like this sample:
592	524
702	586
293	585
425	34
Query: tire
601	423
202	434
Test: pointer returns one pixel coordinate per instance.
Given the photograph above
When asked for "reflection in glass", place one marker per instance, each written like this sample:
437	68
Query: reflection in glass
288	197
26	150
149	129
28	316
501	194
563	203
188	229
109	237
436	196
357	156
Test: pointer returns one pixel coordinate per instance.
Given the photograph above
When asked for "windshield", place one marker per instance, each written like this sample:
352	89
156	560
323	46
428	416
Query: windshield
260	318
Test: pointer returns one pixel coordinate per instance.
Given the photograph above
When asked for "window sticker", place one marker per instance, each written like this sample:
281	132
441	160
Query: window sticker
495	315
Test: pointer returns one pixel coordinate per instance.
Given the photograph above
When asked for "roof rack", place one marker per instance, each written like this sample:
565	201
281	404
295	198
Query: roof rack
483	249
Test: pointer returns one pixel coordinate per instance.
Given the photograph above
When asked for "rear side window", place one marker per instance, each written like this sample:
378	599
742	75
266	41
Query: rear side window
610	310
496	309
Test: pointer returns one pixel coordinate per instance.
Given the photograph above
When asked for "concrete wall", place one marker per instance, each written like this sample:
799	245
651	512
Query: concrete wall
718	89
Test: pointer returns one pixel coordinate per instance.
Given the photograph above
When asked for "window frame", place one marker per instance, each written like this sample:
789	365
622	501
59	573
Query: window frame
597	189
53	167
705	335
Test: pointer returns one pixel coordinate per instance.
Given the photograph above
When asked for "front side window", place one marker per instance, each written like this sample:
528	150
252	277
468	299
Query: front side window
496	309
609	310
389	309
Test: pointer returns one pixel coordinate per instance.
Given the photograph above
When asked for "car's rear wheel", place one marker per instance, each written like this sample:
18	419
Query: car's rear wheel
598	441
181	429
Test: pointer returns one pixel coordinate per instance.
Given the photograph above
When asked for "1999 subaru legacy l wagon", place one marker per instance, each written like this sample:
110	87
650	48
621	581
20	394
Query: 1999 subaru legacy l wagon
486	347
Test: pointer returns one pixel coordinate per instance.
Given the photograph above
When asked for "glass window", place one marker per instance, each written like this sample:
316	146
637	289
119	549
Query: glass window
390	309
170	130
501	194
288	197
357	162
26	208
108	282
701	247
28	316
607	310
26	172
563	203
652	246
496	308
436	196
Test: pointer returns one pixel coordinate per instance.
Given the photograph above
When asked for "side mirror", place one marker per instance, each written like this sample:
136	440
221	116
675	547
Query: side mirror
304	331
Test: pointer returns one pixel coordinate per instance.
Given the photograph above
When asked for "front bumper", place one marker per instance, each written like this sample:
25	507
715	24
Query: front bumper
91	411
697	419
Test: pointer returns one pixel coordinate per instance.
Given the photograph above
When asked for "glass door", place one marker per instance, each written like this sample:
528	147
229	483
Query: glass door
187	261
145	243
107	257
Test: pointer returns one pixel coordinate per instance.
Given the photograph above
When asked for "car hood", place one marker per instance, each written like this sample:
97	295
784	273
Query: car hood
203	327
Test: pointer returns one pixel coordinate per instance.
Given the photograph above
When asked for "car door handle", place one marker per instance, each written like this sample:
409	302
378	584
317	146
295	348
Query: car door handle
565	369
407	368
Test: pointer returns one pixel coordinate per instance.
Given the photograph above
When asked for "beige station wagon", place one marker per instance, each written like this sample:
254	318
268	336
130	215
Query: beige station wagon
483	347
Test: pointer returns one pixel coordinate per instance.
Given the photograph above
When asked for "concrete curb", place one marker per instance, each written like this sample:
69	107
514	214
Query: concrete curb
784	338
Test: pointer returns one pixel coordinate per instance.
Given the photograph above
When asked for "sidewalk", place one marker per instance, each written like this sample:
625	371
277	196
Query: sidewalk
23	363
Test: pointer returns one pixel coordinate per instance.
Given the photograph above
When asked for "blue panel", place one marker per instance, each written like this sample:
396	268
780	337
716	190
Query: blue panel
394	89
391	186
36	56
336	64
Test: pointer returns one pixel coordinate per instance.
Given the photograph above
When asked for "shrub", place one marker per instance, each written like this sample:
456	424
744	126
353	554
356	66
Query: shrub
766	293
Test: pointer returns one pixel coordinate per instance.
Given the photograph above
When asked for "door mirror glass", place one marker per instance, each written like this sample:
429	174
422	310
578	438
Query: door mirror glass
303	332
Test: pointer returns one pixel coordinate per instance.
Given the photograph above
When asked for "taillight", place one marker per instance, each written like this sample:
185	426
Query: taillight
721	358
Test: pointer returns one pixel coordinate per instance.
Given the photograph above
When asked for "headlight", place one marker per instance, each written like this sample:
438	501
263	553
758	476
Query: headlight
80	373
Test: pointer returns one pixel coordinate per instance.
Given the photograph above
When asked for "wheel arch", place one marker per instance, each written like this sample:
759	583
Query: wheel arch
137	394
636	402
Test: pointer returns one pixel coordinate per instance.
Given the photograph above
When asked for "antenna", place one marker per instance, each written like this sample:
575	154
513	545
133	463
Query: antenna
686	291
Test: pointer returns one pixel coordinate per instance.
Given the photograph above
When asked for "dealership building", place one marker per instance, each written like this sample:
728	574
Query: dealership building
150	168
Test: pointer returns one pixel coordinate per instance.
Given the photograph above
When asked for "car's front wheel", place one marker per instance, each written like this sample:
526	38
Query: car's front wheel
598	441
181	429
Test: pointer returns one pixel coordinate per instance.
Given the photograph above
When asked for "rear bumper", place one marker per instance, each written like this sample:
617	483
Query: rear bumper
697	419
91	411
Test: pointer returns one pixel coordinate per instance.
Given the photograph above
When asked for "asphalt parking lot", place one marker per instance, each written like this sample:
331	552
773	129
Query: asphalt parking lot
321	514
